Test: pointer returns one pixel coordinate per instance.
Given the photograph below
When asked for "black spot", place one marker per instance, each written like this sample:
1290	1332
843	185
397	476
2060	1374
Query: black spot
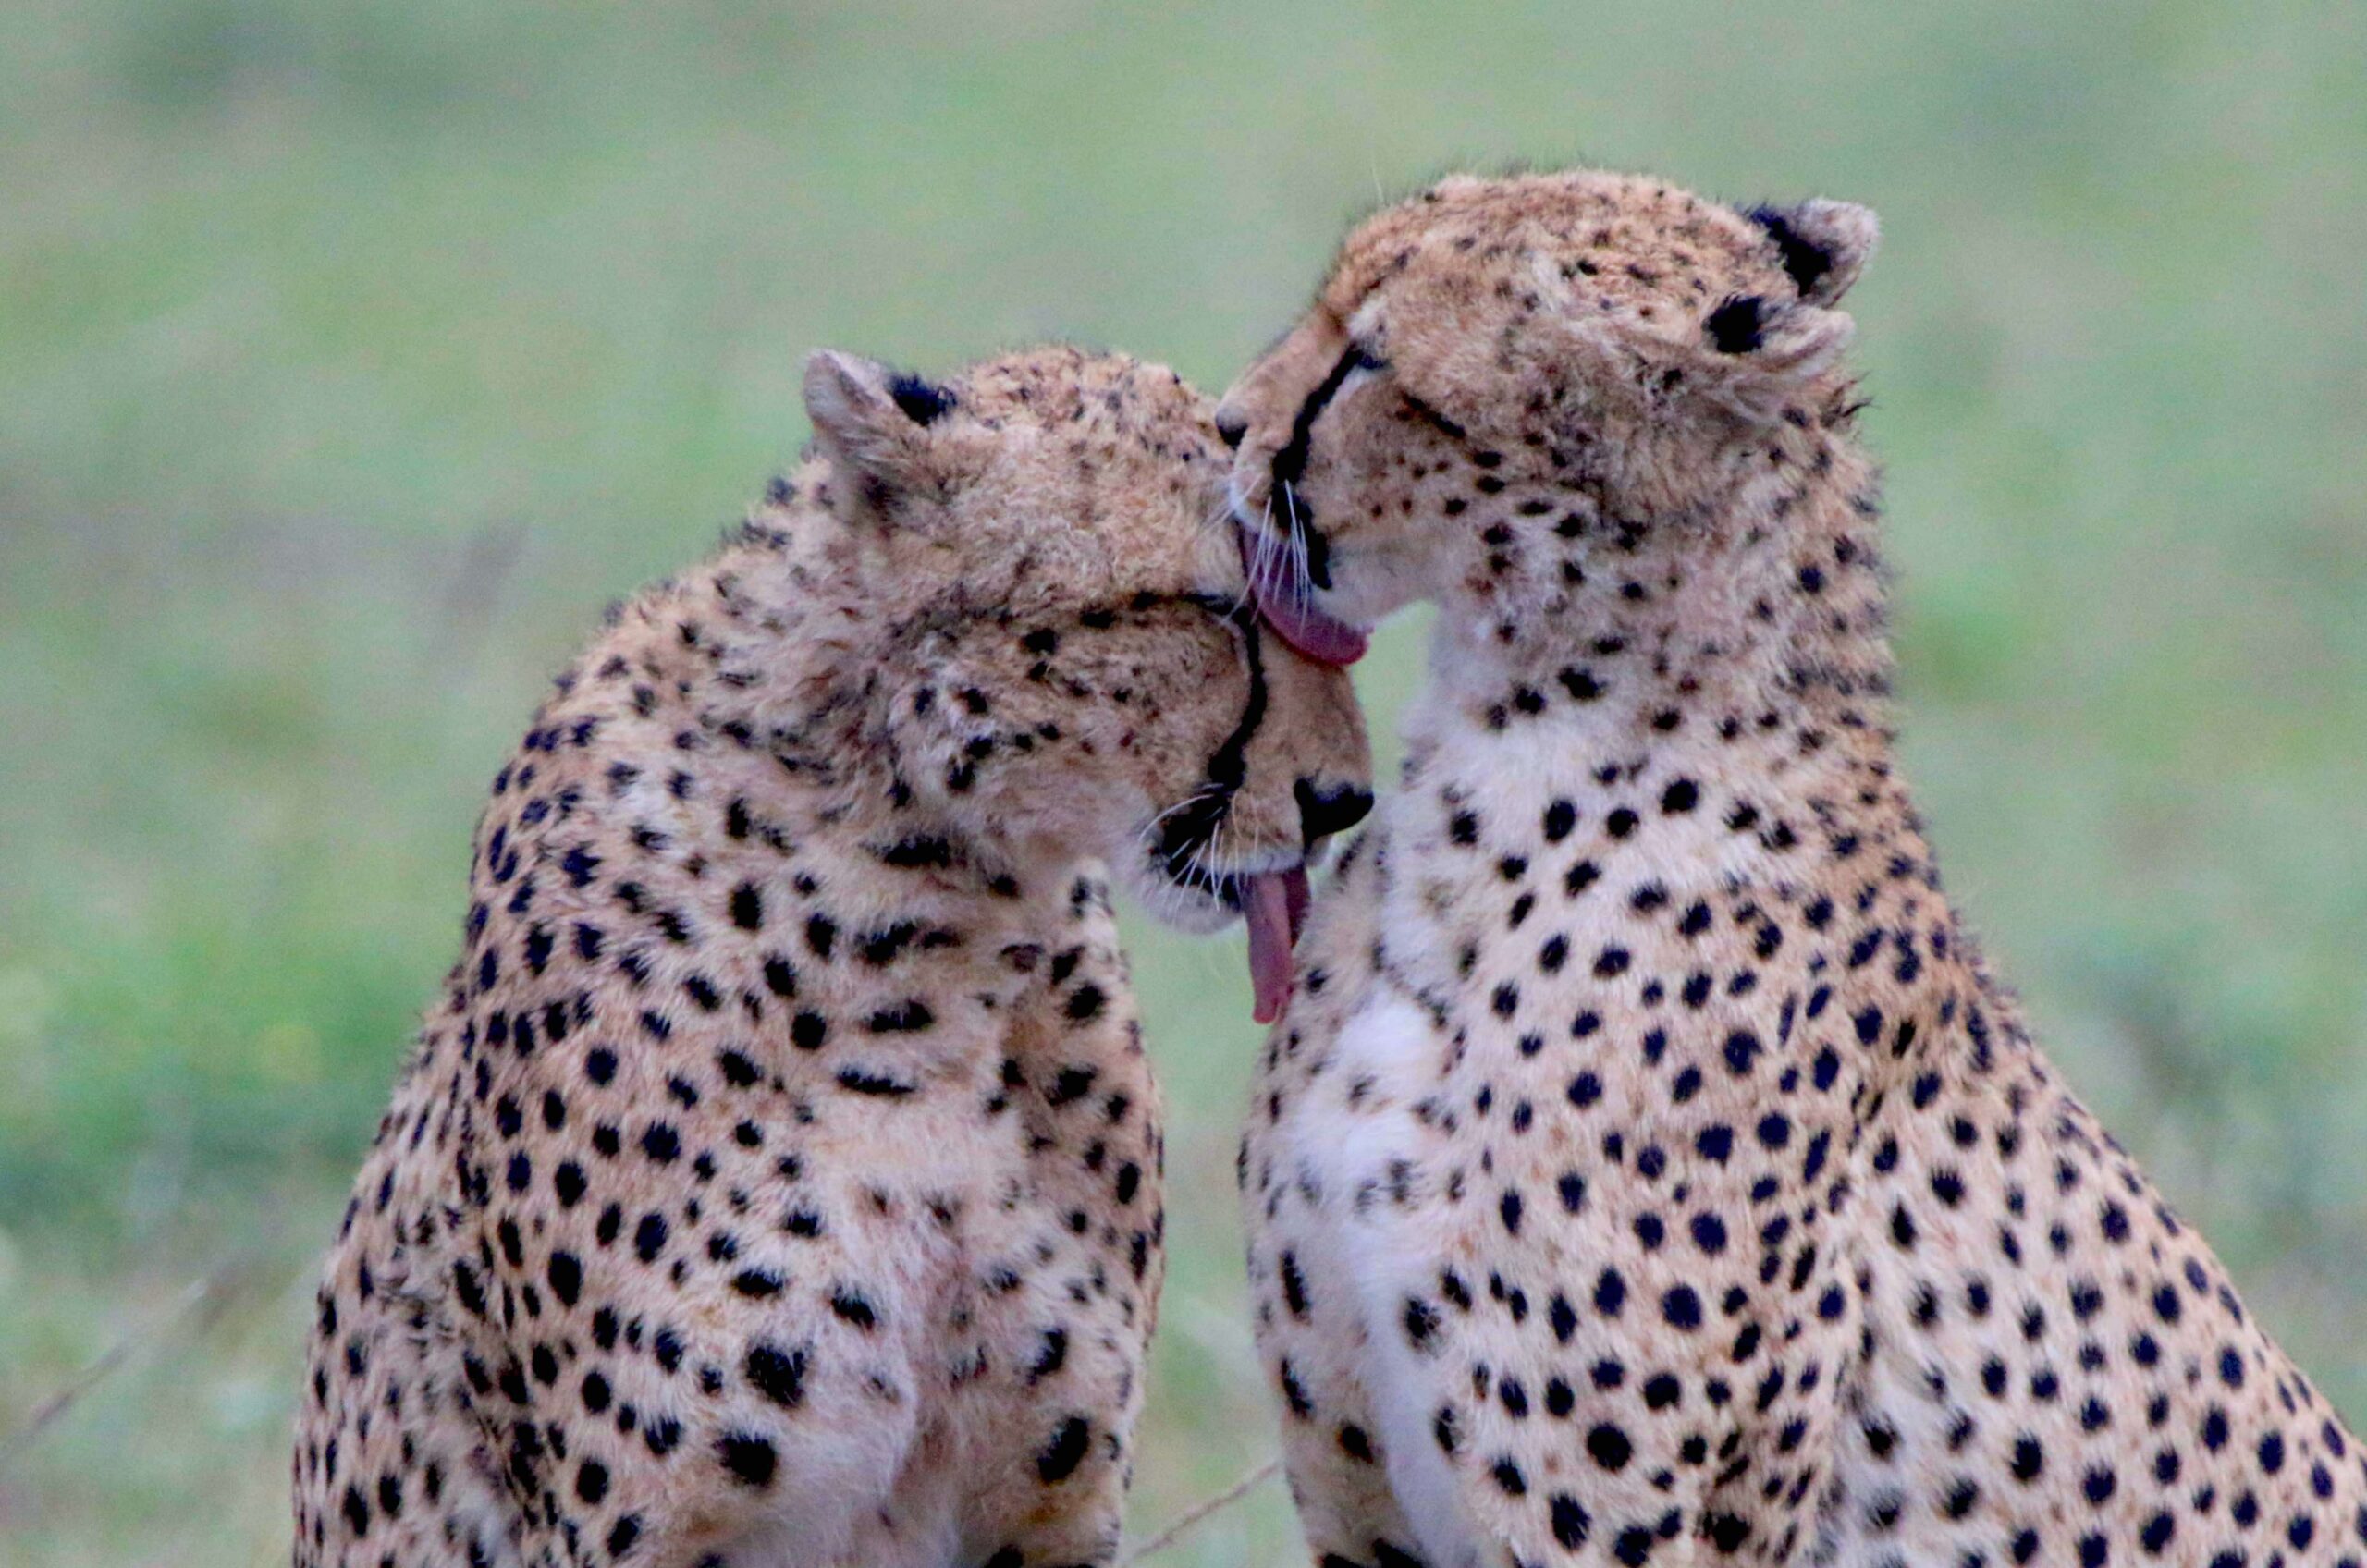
1571	1522
1061	1457
1421	1321
776	1374
1294	1285
751	1459
592	1481
919	851
856	1081
649	1237
908	1017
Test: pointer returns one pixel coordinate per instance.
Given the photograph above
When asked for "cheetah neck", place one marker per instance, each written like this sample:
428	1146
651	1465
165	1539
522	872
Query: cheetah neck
1712	734
778	650
1753	632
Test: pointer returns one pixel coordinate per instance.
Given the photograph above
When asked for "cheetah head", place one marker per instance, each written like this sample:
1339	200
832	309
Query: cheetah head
1070	664
1620	343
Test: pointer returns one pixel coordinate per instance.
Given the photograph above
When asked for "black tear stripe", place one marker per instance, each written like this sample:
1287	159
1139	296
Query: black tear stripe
1290	464
1433	418
1197	823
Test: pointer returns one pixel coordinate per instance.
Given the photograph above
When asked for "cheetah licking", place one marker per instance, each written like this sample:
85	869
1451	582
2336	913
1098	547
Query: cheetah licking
1647	1169
778	1180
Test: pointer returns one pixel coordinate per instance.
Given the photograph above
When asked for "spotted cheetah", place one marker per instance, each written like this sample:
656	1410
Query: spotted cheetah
778	1179
1648	1169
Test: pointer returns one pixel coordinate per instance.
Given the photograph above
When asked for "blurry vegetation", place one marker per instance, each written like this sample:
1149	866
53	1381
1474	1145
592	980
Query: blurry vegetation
352	355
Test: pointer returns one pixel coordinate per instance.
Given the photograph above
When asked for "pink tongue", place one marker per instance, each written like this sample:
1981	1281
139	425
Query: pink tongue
1300	624
1272	908
1311	631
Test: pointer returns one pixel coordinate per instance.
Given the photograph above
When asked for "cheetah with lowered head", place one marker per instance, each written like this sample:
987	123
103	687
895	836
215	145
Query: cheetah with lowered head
778	1182
1647	1169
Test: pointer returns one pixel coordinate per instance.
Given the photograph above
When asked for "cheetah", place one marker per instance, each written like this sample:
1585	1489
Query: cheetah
1647	1168
778	1179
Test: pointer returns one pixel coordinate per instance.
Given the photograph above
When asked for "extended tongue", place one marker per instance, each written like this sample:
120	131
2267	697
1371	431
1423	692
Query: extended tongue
1300	896
1283	604
1266	909
1318	636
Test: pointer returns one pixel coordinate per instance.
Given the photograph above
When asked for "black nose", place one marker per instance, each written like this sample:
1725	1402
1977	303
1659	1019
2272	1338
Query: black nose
1231	428
1324	810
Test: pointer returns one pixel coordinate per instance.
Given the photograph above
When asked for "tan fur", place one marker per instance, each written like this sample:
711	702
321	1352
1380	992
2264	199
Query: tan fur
778	1179
1648	1169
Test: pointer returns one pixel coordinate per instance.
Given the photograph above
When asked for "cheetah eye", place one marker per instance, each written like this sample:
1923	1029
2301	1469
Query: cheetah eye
1361	358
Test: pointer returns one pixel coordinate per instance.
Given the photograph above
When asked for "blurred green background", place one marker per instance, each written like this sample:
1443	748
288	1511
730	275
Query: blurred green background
351	356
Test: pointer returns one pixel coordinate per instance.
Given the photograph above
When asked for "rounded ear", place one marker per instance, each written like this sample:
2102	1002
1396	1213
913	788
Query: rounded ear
1825	244
872	423
1763	351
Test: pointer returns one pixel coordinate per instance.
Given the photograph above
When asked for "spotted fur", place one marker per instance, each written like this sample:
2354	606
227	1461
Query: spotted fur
1647	1169
779	1178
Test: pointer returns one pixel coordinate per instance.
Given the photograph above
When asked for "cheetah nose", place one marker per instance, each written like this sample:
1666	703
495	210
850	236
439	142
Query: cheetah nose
1230	427
1325	810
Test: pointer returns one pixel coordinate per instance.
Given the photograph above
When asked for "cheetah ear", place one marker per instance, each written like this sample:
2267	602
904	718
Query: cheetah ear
1825	244
1763	351
871	423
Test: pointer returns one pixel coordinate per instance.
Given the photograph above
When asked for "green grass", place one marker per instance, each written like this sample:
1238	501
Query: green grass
351	356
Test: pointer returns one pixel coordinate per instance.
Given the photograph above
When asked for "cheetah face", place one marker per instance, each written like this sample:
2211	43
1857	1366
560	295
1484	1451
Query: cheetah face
1077	669
1610	339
